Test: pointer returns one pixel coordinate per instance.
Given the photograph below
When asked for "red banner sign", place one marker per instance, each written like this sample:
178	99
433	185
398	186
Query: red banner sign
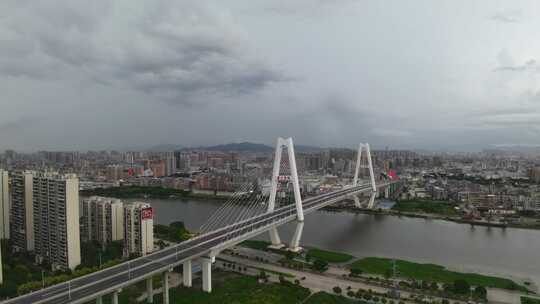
147	213
284	178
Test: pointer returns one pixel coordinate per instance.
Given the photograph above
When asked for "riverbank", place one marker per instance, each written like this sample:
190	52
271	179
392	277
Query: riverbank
455	219
384	267
430	272
143	192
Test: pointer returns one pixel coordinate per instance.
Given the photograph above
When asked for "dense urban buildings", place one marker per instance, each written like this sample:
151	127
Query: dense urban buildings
102	220
138	229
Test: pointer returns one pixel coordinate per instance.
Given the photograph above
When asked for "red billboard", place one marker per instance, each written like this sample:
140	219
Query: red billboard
147	213
393	175
283	178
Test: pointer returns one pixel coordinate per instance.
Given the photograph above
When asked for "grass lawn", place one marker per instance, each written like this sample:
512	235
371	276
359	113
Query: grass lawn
527	300
239	290
329	256
425	206
326	298
431	272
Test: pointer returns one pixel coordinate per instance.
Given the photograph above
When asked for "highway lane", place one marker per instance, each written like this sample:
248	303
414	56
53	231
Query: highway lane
139	268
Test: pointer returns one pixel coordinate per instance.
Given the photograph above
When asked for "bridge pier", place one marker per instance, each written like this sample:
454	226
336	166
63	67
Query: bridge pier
372	200
115	296
206	263
187	274
275	239
294	246
357	201
149	291
165	287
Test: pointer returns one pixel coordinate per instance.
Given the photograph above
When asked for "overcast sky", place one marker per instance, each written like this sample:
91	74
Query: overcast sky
459	75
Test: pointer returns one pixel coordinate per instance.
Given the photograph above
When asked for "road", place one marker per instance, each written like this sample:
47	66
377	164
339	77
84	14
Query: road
89	286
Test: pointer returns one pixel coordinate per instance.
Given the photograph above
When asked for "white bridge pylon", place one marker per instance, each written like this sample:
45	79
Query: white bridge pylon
361	147
280	145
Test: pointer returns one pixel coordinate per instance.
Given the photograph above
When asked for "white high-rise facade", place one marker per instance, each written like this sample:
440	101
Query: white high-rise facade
103	220
138	229
4	204
22	217
56	220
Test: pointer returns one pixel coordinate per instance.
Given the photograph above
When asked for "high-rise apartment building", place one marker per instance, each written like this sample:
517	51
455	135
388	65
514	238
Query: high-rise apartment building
22	216
56	220
4	204
138	229
1	270
102	220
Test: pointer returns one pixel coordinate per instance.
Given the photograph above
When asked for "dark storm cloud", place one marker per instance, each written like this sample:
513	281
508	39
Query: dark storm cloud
181	51
327	72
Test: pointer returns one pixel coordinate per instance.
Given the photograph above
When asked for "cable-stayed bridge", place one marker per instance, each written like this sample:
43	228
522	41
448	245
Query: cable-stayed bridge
227	227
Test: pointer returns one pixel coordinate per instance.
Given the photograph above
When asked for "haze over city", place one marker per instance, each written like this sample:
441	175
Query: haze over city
445	75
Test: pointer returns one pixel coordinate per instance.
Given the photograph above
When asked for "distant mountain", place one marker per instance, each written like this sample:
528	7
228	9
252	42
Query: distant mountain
307	149
240	147
233	147
164	148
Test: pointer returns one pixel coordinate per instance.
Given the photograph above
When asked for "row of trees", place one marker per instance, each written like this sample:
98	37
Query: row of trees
176	232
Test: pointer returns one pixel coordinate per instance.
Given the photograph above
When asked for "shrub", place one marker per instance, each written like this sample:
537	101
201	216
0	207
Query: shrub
337	289
461	286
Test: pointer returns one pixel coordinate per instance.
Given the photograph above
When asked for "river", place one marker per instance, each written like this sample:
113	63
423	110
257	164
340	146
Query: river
506	252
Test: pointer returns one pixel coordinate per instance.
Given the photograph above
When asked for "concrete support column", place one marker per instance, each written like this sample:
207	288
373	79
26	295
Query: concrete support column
357	201
187	274
295	242
149	291
275	239
165	287
99	300
115	296
207	273
371	204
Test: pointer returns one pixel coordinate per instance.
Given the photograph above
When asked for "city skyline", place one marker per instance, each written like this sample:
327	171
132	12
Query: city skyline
453	75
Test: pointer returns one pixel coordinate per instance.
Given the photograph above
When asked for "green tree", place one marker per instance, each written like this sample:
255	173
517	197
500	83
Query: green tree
461	286
320	265
481	292
337	289
289	255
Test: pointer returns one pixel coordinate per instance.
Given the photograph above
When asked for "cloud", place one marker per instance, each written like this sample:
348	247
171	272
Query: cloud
305	8
531	65
507	17
16	125
182	51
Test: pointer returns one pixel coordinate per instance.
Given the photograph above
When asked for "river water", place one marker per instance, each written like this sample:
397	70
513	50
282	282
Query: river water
505	252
